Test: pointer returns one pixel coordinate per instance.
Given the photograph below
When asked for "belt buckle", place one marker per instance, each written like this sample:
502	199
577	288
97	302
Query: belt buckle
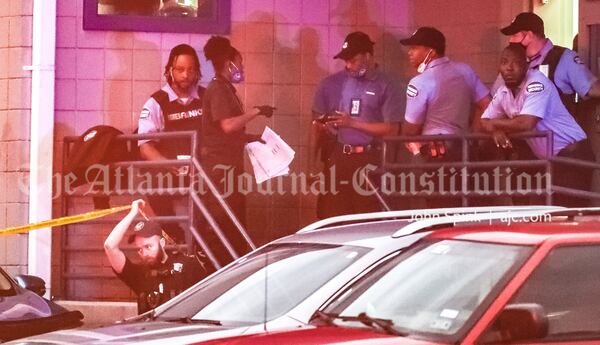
347	149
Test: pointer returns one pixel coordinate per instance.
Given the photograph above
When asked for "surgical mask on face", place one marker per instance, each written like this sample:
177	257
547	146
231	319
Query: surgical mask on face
237	75
423	65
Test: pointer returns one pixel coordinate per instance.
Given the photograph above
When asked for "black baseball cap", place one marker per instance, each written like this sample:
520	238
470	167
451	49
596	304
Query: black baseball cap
525	21
145	228
355	43
427	37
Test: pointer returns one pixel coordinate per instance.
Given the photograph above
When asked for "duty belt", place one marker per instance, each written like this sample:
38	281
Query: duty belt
352	149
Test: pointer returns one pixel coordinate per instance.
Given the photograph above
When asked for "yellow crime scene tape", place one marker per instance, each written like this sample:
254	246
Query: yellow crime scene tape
63	221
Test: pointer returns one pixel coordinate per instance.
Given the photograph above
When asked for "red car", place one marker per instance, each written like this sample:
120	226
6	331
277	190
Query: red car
517	283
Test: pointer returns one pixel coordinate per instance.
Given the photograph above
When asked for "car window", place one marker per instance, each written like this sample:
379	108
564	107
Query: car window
6	288
566	285
266	284
432	290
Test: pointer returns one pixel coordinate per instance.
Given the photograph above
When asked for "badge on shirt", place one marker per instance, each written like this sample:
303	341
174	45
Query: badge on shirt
412	91
535	86
355	107
144	114
577	60
544	69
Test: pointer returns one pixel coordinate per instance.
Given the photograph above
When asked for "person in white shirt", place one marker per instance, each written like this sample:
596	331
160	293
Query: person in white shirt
529	101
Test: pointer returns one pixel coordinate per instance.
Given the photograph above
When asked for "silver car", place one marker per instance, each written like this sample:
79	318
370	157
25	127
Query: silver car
282	284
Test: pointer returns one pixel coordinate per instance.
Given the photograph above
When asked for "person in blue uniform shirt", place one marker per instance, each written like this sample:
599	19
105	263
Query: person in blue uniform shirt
576	85
177	106
356	107
528	101
440	99
561	65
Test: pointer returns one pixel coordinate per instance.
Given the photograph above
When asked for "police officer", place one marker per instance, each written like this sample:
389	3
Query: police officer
440	99
561	65
176	107
159	276
529	101
358	105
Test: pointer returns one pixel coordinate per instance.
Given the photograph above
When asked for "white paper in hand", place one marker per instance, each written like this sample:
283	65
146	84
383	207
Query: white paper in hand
270	159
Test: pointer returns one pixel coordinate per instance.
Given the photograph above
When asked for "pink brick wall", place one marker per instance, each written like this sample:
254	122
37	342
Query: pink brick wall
15	109
104	77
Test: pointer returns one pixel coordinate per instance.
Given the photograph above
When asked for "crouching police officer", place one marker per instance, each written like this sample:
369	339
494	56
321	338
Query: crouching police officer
158	276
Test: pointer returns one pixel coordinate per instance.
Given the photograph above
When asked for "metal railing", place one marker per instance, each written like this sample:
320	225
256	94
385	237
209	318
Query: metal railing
389	164
195	202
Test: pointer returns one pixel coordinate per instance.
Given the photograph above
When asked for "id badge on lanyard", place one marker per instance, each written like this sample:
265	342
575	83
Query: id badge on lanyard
355	107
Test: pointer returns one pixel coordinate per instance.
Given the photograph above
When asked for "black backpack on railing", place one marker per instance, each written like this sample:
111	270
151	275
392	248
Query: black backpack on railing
96	146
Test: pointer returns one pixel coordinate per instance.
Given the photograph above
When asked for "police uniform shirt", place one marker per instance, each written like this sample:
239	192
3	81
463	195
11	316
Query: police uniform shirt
441	97
151	118
571	75
156	285
538	97
373	98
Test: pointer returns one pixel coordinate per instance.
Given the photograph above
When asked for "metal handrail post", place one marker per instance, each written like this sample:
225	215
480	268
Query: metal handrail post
464	180
549	154
213	223
223	203
205	248
191	217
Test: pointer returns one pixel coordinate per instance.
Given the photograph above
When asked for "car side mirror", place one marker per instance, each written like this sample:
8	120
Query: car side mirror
518	322
32	283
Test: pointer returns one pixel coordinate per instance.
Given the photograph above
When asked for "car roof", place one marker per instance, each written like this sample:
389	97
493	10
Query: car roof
370	229
526	233
365	234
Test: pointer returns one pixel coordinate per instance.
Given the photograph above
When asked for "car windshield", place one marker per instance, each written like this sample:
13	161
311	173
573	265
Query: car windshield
432	289
266	284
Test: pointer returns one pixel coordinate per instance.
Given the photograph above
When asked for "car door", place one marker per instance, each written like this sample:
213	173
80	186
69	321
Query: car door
559	303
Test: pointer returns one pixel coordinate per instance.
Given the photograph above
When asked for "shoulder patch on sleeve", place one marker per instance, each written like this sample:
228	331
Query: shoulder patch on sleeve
577	60
535	86
412	91
144	114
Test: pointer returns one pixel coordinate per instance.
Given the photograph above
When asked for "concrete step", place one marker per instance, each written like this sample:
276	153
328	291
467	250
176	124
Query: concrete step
101	313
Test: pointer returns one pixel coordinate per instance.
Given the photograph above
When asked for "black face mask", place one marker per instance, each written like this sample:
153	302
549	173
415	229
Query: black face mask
521	42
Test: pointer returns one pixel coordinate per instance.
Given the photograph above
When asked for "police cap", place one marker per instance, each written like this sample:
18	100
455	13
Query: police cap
525	21
145	228
355	43
427	37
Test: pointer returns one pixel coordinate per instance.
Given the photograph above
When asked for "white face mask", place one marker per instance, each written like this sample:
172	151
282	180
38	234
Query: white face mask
423	65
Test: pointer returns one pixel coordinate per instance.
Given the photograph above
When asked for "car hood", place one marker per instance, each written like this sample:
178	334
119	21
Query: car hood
320	336
27	305
152	332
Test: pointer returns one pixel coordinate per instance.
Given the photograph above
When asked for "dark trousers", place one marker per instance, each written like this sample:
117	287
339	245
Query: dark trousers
488	190
162	202
438	187
446	179
227	182
346	191
571	176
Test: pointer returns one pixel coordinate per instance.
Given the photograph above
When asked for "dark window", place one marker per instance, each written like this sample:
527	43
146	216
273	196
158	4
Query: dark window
567	287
